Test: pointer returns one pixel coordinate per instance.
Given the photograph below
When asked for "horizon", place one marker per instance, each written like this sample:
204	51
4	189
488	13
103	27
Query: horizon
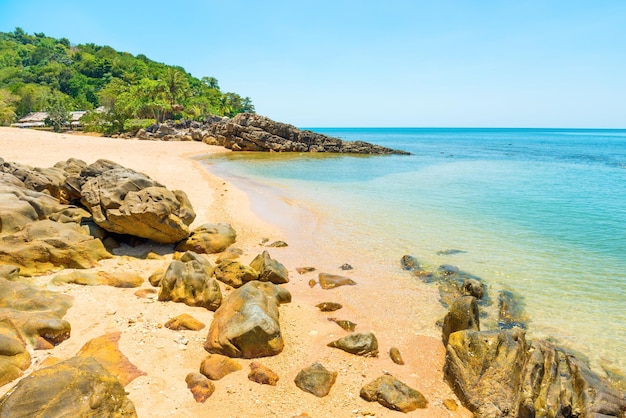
361	63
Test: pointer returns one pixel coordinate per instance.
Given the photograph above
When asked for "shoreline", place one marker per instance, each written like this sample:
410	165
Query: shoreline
163	391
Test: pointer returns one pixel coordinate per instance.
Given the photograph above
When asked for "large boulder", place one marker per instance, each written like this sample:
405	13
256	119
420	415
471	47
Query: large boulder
191	284
247	325
42	246
269	269
393	394
208	239
234	273
78	387
38	179
124	201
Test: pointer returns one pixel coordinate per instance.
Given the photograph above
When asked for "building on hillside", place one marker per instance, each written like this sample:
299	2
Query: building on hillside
38	119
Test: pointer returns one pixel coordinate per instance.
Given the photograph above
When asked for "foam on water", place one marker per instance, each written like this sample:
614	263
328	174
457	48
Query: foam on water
539	212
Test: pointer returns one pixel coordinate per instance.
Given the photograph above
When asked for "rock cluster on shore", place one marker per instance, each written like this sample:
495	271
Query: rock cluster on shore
251	132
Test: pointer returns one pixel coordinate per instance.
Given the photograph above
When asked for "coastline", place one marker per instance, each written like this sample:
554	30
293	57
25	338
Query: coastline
373	304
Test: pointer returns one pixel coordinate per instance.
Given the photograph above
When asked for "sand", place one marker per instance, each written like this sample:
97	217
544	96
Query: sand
393	309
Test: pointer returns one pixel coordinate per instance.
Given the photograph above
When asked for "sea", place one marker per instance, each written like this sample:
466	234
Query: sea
538	212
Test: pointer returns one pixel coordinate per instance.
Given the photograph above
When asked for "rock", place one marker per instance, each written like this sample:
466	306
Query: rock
451	404
330	281
184	322
395	356
251	132
329	306
216	366
269	269
46	245
230	253
410	263
209	239
156	277
473	287
124	201
393	394
463	314
246	325
99	278
303	270
312	283
47	180
261	374
316	380
200	258
14	357
346	266
18	296
450	252
234	273
360	344
9	272
41	329
146	293
76	387
200	387
191	284
278	244
105	350
344	324
510	311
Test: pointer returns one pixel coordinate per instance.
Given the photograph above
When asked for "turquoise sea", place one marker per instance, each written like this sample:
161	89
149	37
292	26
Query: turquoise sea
541	212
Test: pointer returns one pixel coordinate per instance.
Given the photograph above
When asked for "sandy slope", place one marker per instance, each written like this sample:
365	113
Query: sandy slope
155	350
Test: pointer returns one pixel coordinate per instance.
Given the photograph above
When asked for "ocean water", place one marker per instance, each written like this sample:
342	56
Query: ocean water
540	212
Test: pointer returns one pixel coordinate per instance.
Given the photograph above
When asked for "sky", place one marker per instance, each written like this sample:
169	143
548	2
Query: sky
362	63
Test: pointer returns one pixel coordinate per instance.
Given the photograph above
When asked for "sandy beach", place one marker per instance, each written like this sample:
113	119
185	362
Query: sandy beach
392	309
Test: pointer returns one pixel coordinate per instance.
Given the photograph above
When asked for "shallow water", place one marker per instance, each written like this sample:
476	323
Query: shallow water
539	212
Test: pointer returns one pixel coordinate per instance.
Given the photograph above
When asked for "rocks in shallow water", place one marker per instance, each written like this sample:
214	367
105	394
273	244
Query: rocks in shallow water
410	263
269	269
47	245
316	380
262	375
216	366
344	324
124	201
510	311
209	239
450	252
330	281
200	387
395	356
184	322
247	325
76	387
463	315
473	287
99	278
328	306
393	394
234	273
191	284
360	344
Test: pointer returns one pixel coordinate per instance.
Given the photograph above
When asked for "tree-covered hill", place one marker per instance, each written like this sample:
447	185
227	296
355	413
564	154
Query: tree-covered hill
40	73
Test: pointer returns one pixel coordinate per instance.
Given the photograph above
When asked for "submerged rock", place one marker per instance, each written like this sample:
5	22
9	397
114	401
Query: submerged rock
510	311
393	394
316	380
463	315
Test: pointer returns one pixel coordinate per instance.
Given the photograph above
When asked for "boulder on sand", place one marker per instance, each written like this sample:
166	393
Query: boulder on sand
393	394
191	284
208	239
246	325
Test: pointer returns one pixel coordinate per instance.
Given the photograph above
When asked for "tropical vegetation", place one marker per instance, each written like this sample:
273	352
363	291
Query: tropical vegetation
121	91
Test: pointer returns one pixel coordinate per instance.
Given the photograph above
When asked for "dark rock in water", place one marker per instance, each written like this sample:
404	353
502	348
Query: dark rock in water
269	269
393	394
191	284
201	387
450	252
360	344
78	387
496	373
262	375
395	356
250	132
316	380
510	311
454	283
473	287
329	306
346	266
246	325
344	324
209	239
330	281
463	315
410	263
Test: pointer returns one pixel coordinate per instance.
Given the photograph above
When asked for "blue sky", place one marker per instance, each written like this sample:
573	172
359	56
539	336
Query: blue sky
373	63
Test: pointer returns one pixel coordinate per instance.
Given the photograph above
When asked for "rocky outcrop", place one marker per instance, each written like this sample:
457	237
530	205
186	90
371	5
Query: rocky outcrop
393	394
124	201
247	325
76	387
191	284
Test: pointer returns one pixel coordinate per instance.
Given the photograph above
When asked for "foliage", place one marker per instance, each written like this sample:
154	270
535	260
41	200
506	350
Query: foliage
39	73
58	115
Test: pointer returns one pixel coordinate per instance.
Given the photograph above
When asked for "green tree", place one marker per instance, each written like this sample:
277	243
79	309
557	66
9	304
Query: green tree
58	115
7	106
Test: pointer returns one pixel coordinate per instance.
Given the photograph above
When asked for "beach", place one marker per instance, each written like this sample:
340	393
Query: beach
398	311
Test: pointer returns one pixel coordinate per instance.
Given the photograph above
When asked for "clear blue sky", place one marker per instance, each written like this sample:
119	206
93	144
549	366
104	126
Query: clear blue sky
374	63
